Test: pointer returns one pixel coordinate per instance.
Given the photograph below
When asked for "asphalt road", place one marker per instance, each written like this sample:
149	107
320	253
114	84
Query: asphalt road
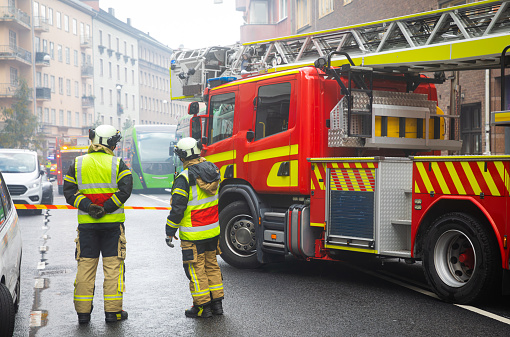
355	297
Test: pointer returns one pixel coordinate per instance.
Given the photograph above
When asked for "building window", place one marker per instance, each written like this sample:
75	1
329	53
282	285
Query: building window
109	70
325	7
66	23
76	58
61	85
100	37
76	89
59	52
45	46
282	12
126	100
100	67
125	75
470	125
118	45
101	93
52	50
59	20
109	41
84	118
303	13
68	87
132	77
46	81
118	72
77	119
61	117
50	16
259	12
52	83
46	115
53	116
68	56
111	97
69	118
75	27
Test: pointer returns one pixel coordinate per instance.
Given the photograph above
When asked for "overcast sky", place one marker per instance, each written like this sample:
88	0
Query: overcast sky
192	23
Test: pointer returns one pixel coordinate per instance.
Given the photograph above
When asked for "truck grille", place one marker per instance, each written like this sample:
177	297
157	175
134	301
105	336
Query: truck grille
16	189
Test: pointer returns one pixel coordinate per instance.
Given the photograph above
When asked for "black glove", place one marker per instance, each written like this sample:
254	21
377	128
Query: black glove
169	239
96	211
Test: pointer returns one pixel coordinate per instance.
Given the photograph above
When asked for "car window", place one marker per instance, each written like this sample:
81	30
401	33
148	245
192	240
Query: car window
5	204
17	162
222	113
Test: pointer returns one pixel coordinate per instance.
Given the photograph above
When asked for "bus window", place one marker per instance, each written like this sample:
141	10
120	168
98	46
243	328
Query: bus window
222	122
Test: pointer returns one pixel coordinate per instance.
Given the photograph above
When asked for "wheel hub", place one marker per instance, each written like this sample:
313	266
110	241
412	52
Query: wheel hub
242	236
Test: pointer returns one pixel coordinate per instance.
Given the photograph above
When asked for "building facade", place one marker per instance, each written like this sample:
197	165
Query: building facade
471	95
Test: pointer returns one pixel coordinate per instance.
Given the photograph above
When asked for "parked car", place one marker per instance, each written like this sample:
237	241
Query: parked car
22	174
10	261
47	190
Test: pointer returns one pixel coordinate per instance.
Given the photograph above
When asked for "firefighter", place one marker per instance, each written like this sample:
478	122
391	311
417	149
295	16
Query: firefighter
194	212
98	184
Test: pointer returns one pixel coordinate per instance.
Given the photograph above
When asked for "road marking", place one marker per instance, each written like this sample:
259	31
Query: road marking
154	198
485	313
431	294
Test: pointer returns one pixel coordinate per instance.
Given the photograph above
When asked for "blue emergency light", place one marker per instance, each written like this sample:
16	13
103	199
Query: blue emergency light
214	82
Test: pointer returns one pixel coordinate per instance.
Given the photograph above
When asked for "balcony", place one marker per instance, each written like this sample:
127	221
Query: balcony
87	101
14	15
15	53
42	59
241	5
85	41
8	89
87	71
41	24
42	94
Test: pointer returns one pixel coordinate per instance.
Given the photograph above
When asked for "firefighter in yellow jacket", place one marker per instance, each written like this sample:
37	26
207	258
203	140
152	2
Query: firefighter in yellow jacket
98	184
195	213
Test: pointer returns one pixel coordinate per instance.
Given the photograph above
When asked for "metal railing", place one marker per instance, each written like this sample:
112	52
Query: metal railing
85	41
8	89
87	71
13	13
87	101
43	93
39	58
15	51
41	23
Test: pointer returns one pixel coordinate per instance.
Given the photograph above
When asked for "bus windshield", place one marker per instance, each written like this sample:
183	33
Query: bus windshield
151	144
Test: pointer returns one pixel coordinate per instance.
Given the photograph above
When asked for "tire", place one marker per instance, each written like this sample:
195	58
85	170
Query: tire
461	259
238	237
7	311
18	293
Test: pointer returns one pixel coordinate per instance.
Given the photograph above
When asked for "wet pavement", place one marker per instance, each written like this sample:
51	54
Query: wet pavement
295	298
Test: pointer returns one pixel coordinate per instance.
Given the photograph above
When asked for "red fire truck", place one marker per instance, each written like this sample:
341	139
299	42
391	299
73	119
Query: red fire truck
67	148
321	160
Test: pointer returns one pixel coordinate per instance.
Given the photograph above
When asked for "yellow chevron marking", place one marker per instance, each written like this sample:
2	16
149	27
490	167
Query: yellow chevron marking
424	176
455	178
416	188
440	178
488	180
471	177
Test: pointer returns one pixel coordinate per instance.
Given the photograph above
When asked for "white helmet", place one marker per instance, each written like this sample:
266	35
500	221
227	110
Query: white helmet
187	148
105	135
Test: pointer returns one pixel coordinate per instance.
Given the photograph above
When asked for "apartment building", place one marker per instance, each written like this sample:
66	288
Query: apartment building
16	57
115	71
474	95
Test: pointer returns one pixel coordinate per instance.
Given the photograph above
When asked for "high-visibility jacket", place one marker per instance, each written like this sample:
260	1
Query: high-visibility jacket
96	176
200	220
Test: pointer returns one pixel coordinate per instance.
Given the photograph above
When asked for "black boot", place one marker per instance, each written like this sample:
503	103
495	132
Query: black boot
199	311
83	318
115	316
216	307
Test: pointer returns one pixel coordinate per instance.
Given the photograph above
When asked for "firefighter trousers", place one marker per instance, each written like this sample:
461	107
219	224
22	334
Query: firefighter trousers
111	243
201	267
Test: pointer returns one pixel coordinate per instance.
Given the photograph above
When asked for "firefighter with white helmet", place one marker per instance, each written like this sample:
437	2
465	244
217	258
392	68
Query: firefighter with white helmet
98	184
195	213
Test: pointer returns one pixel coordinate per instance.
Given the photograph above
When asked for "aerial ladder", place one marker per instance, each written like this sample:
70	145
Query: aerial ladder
465	37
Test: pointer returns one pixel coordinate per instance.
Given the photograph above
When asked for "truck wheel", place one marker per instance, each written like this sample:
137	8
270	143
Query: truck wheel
238	237
6	312
461	259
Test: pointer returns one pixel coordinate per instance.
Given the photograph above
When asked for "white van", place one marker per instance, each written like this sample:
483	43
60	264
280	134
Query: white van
22	175
10	261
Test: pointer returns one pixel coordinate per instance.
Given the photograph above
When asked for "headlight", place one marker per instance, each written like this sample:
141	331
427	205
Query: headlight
34	184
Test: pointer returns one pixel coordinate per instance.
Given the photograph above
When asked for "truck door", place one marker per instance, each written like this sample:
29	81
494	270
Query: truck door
269	154
220	128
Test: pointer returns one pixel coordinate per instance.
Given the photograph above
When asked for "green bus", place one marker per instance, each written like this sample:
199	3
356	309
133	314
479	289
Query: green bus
148	151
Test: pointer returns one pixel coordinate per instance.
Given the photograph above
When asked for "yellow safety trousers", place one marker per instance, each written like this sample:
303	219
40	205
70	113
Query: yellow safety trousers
206	281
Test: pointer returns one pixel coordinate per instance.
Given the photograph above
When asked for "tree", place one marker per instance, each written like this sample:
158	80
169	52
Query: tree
20	125
127	124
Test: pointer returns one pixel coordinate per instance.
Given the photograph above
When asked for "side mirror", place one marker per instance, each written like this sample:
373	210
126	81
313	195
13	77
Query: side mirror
193	108
196	127
250	135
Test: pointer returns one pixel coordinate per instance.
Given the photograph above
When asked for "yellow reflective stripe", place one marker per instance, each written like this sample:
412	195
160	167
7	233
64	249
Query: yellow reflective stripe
70	179
83	297
194	278
455	178
223	156
181	192
120	288
79	198
116	201
113	297
201	293
216	287
123	174
440	179
424	176
283	151
171	223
